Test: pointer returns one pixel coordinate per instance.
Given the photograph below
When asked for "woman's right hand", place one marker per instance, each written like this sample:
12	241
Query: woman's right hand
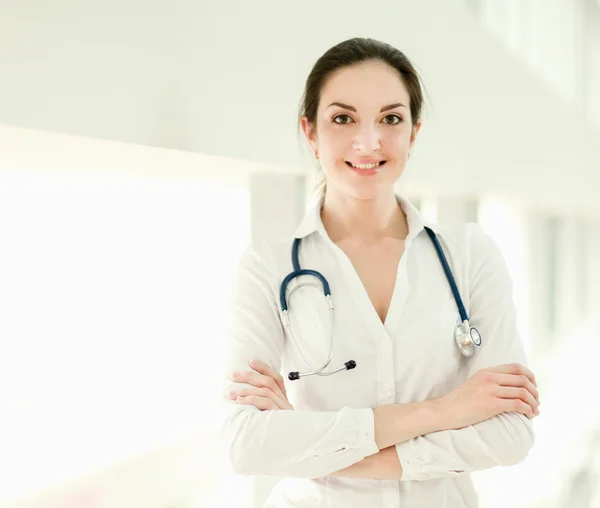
489	392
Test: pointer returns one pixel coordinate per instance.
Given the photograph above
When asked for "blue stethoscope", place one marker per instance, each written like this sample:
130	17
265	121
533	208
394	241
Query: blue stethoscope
467	338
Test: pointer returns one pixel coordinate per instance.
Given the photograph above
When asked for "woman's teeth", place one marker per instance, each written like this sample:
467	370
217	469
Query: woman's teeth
366	166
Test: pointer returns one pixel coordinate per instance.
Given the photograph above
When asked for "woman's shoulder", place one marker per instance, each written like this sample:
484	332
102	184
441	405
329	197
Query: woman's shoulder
268	256
464	234
469	241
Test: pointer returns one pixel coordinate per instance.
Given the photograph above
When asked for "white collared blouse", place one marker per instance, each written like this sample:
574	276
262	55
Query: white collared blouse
411	357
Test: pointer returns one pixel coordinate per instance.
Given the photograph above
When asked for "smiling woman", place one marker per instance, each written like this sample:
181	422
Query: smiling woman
373	141
327	117
401	396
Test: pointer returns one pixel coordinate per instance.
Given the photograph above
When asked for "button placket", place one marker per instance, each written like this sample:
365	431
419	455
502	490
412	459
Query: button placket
387	374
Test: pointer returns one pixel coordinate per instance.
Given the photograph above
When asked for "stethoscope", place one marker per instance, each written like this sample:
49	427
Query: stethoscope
467	338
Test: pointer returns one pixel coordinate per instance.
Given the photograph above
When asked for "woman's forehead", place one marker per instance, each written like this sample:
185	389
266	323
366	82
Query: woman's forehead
371	85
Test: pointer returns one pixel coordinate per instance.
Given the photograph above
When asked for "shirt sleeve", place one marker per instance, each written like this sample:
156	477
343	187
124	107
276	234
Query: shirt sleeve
306	444
506	438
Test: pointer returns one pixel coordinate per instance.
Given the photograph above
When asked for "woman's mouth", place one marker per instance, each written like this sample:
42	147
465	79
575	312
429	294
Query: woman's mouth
366	169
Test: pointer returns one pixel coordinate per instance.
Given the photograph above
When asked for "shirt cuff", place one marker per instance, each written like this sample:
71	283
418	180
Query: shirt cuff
355	440
365	423
420	465
355	434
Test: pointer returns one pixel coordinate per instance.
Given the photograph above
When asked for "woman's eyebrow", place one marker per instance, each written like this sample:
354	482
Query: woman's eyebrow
385	108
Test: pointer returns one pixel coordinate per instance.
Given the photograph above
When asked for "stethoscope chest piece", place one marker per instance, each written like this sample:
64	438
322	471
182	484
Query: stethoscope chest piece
467	338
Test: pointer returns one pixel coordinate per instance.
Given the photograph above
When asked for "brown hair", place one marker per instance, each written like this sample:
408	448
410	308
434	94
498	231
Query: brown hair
348	53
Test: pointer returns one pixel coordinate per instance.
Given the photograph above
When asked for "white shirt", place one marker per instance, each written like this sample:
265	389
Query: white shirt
411	357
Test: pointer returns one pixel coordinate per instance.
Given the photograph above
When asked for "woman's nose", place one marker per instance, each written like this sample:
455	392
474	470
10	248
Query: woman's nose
367	140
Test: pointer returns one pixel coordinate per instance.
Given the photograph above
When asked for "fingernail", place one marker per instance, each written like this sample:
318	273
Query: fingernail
235	374
232	395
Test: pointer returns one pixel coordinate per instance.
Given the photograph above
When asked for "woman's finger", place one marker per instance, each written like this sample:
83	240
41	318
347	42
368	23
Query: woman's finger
262	403
518	381
515	369
518	406
260	393
256	379
263	368
510	392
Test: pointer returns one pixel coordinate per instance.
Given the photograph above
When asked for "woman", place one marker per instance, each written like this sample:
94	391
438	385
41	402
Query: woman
407	425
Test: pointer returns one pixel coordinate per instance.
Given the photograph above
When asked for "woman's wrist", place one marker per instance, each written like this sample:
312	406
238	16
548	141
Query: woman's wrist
384	465
396	423
441	416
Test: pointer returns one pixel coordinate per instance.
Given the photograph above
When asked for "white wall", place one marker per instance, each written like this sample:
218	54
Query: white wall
559	39
109	330
226	78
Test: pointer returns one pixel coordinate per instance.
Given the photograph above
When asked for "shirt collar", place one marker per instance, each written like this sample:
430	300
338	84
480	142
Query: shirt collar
312	222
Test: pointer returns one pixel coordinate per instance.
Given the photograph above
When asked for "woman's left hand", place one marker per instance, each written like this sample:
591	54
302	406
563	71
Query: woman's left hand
265	389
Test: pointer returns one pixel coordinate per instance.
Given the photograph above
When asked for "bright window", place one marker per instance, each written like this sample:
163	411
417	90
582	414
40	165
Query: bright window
113	293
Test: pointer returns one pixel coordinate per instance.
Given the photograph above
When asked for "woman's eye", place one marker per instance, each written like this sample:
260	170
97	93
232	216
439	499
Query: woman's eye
340	116
346	119
399	118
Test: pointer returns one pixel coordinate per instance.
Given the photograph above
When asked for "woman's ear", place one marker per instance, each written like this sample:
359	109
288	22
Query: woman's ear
310	134
413	135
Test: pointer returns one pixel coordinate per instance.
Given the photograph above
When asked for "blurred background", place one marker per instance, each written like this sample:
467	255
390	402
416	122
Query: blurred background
134	134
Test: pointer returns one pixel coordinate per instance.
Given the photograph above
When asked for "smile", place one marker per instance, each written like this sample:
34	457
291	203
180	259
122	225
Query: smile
366	166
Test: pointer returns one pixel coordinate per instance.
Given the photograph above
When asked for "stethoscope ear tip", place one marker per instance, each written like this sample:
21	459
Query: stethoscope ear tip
292	376
350	365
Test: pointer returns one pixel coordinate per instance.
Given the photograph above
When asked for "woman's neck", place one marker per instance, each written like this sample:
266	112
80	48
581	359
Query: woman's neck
365	221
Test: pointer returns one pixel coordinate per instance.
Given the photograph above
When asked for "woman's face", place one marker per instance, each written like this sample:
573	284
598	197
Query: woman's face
363	117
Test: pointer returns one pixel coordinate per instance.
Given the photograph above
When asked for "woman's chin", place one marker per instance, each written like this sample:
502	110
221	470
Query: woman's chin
368	191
